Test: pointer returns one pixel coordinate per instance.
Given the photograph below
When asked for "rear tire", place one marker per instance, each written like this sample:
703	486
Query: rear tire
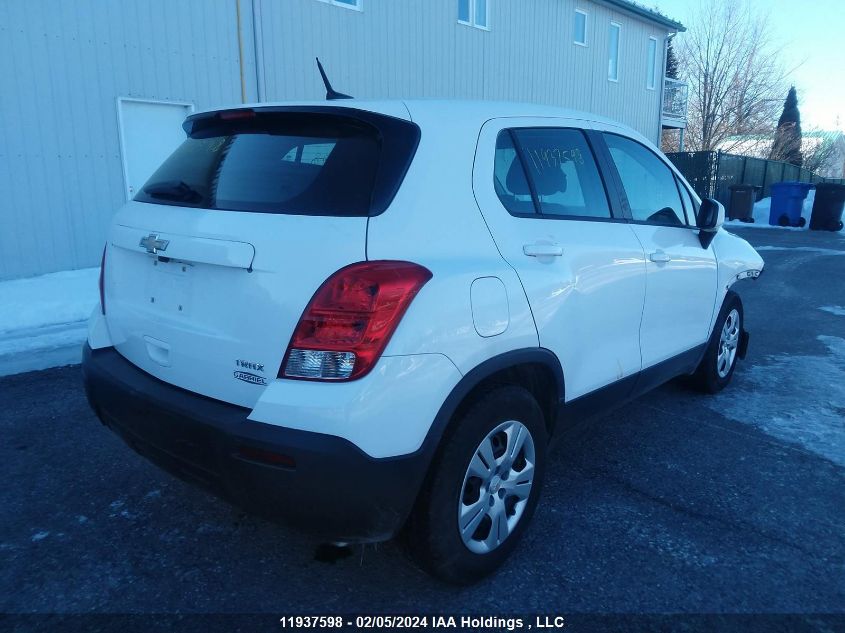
717	367
486	479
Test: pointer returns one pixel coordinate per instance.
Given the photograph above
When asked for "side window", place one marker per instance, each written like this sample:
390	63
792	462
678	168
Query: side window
689	203
309	153
613	52
563	172
579	29
473	13
509	177
649	184
651	64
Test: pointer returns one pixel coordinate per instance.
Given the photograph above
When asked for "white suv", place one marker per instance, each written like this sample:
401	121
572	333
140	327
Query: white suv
374	317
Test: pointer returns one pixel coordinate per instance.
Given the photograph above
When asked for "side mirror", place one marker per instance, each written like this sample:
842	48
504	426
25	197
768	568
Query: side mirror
711	217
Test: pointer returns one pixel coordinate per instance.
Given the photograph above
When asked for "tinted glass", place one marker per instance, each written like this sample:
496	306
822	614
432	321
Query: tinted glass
580	31
565	177
509	177
649	184
689	204
299	164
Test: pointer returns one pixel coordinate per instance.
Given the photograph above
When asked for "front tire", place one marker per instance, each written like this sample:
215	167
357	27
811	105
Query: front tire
717	367
483	487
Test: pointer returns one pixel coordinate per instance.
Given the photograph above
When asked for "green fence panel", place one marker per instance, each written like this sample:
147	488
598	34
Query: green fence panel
730	172
711	174
699	168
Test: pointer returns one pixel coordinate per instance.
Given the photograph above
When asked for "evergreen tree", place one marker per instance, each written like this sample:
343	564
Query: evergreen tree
787	142
672	70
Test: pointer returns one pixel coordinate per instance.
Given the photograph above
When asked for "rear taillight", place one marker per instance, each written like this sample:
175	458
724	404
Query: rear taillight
102	281
350	319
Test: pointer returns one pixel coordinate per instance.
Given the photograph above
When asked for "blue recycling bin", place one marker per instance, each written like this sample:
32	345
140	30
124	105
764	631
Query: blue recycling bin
787	202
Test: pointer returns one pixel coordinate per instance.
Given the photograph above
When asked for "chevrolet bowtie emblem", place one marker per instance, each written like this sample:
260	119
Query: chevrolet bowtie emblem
153	244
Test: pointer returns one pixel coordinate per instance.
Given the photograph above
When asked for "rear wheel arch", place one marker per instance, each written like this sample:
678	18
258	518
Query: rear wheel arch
536	369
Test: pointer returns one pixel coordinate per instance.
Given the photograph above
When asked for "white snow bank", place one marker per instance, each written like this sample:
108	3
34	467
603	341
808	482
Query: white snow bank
63	297
42	319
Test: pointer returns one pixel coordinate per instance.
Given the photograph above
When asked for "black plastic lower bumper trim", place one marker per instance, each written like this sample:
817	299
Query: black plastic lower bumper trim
320	483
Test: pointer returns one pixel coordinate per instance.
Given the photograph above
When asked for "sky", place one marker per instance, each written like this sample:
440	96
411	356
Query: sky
812	34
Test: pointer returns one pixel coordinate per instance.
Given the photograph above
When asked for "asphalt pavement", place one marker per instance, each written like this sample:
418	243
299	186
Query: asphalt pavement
677	502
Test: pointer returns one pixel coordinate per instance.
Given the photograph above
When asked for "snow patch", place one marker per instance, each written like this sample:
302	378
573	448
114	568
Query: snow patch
806	249
65	297
837	310
798	399
43	319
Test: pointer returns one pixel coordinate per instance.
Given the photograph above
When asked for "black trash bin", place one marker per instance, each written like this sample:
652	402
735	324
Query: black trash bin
827	207
741	205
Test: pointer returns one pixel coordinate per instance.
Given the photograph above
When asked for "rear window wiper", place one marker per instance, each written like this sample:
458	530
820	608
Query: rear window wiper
177	190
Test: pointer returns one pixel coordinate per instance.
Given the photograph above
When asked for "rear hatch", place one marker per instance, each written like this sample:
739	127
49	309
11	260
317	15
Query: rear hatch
209	268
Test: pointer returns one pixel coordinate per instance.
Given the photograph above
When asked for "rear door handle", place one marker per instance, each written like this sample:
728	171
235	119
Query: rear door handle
659	257
542	250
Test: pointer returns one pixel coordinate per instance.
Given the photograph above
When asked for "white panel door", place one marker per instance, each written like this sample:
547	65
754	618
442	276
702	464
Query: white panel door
583	271
149	132
682	277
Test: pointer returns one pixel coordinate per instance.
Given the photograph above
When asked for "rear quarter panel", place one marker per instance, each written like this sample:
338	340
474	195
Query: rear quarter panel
435	221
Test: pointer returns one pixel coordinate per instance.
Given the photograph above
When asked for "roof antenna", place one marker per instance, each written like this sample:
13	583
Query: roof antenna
331	93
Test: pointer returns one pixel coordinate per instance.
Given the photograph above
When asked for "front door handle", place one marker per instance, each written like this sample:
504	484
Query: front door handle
659	257
542	250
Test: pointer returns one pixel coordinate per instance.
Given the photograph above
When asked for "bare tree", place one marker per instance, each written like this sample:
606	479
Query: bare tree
735	78
822	151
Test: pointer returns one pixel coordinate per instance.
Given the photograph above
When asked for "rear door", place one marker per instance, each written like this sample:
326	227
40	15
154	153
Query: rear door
209	268
581	265
681	275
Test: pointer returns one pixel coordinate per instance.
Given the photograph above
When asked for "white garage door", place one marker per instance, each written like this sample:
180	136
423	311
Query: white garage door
149	132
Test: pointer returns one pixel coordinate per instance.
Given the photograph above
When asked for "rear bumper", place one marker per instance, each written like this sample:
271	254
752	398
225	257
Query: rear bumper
321	483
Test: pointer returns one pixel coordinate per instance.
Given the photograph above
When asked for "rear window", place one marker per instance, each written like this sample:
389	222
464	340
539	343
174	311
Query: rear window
304	163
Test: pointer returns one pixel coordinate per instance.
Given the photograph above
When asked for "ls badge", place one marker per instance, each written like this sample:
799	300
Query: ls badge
250	378
253	379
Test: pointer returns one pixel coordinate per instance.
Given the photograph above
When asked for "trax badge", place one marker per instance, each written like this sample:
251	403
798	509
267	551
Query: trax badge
250	378
245	364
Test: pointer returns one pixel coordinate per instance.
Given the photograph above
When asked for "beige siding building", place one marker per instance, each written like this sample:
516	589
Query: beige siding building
94	89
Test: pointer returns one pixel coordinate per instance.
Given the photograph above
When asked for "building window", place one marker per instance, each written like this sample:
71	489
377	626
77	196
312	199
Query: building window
474	13
349	4
579	31
651	69
613	52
